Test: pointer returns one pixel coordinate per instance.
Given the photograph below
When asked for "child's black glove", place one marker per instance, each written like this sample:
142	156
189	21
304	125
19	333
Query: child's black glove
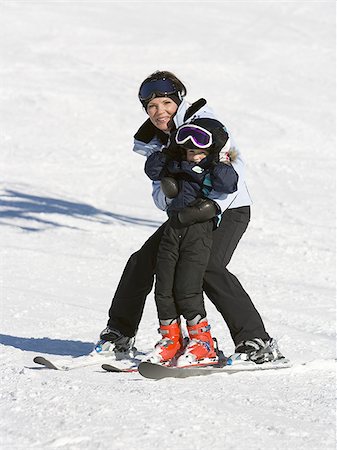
220	137
173	151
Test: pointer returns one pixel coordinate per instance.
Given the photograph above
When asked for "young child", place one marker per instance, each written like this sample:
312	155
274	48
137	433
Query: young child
188	169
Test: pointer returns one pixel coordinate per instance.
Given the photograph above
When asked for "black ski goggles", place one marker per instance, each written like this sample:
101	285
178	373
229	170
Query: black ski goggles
157	88
200	137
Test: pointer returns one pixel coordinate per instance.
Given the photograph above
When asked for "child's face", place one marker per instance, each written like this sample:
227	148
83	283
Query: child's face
196	155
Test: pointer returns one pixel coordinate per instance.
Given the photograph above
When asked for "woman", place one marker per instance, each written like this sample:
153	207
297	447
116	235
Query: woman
162	96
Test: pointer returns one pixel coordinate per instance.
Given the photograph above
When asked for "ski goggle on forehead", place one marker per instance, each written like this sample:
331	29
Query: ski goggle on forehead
156	88
200	137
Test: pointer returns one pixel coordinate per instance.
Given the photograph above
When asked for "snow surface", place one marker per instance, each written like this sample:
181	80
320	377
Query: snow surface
75	204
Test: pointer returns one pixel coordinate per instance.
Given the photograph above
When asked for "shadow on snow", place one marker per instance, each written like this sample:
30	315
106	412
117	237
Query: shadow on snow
39	211
47	345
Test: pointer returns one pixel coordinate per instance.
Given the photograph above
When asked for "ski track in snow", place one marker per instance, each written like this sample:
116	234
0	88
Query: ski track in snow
75	203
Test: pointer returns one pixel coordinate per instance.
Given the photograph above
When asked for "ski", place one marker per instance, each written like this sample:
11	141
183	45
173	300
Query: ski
158	372
111	368
69	364
134	367
92	359
220	361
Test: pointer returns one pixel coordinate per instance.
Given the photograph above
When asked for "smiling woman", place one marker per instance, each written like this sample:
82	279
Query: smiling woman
173	123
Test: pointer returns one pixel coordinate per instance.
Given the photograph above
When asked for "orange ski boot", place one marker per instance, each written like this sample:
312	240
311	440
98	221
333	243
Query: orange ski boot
171	342
200	348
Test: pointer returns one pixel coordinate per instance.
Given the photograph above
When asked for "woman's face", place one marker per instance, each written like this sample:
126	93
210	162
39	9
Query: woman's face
161	110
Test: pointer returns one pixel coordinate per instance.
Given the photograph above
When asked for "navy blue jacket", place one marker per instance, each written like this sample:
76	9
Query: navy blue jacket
191	177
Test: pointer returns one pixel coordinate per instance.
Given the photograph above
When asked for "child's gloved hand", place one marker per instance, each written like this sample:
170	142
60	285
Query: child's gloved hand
172	151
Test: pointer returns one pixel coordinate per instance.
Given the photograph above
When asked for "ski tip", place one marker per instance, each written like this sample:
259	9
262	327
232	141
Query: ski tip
40	360
109	368
153	371
44	362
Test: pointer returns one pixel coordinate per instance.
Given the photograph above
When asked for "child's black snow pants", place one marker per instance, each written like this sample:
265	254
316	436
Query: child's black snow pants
182	260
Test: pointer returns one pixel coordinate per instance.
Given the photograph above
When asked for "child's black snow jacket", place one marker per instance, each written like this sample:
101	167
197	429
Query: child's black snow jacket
194	179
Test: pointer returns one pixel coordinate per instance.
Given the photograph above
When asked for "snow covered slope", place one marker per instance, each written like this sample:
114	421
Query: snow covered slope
75	204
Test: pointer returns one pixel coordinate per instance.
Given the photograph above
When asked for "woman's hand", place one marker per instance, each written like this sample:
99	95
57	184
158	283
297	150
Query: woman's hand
169	186
201	210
